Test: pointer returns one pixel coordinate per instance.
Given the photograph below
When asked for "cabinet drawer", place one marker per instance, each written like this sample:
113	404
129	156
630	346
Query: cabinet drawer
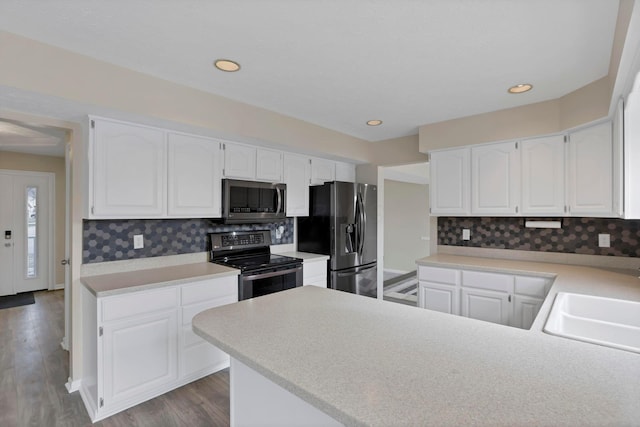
490	281
531	286
210	289
448	276
135	303
191	310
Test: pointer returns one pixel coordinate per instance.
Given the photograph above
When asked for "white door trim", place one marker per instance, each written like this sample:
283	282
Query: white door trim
50	177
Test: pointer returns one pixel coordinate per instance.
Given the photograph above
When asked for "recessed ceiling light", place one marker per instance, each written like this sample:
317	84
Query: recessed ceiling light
374	122
226	65
524	87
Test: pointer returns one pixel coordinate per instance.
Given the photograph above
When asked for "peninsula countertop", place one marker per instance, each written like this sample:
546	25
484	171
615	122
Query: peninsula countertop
131	281
370	362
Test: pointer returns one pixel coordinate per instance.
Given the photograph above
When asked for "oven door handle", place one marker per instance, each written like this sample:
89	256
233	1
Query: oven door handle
271	274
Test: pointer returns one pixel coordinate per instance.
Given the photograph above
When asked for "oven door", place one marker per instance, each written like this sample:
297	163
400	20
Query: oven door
256	284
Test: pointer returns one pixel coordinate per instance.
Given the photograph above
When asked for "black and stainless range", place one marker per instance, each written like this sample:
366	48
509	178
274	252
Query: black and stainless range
261	272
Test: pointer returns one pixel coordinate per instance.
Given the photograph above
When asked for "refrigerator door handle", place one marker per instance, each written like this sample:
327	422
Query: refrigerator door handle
353	273
362	222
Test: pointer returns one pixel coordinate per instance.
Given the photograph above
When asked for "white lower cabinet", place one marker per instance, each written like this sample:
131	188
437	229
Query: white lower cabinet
140	345
314	272
139	356
482	304
501	298
439	297
439	289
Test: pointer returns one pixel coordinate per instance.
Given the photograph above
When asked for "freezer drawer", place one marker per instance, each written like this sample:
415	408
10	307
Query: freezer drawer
358	280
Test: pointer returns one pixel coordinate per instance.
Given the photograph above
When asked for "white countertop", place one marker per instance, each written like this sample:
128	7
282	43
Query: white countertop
371	362
306	256
138	280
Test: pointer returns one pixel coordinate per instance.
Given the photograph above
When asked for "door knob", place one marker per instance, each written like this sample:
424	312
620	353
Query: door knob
65	262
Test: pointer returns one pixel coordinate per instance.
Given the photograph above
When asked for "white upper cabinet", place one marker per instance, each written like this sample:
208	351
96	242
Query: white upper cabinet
251	163
449	180
589	171
127	175
345	172
618	159
495	179
194	178
268	165
543	176
632	153
239	161
322	171
297	172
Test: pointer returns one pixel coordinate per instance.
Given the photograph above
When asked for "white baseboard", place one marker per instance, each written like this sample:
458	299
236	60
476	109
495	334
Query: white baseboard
72	385
58	286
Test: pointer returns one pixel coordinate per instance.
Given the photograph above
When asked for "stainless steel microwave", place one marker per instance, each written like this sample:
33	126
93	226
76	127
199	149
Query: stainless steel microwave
250	201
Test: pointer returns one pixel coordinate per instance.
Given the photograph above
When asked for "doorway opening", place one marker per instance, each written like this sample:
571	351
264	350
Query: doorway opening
407	226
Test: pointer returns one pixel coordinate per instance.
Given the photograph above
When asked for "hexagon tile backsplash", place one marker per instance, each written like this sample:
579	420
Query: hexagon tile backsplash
112	240
577	235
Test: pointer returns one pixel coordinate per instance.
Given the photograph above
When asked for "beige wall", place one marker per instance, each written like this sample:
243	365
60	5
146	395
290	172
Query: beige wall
586	104
406	221
30	162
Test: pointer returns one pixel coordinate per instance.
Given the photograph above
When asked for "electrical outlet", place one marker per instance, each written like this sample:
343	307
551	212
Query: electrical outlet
604	240
466	234
138	241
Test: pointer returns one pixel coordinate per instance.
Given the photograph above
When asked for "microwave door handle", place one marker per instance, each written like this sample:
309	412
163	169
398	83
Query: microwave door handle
279	193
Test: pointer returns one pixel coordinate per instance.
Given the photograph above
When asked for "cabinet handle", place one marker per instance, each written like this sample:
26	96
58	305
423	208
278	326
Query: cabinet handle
509	298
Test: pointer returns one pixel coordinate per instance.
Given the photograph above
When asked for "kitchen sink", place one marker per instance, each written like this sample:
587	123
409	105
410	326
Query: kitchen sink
598	320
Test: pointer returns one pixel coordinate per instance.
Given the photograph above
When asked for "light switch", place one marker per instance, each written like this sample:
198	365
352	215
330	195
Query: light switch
138	241
466	234
604	240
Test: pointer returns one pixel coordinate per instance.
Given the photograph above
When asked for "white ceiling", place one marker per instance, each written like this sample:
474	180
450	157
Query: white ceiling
32	138
339	63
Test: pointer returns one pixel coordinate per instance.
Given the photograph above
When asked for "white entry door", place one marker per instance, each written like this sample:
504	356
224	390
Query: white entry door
26	217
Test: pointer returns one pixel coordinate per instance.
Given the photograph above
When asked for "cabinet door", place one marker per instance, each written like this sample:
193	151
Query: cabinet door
239	161
618	159
449	192
495	179
439	297
268	165
631	142
315	273
194	178
525	310
543	176
482	304
139	356
590	171
322	171
345	172
129	170
297	172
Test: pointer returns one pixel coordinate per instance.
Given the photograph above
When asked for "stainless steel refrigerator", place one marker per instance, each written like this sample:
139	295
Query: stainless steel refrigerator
342	223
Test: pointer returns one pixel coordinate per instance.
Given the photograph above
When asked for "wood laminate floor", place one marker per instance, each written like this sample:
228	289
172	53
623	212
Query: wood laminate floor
34	370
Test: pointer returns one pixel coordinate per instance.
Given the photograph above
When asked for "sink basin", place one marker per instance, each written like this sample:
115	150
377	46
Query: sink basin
598	320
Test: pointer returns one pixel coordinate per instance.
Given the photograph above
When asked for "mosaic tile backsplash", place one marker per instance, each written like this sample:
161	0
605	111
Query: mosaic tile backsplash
112	240
577	235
